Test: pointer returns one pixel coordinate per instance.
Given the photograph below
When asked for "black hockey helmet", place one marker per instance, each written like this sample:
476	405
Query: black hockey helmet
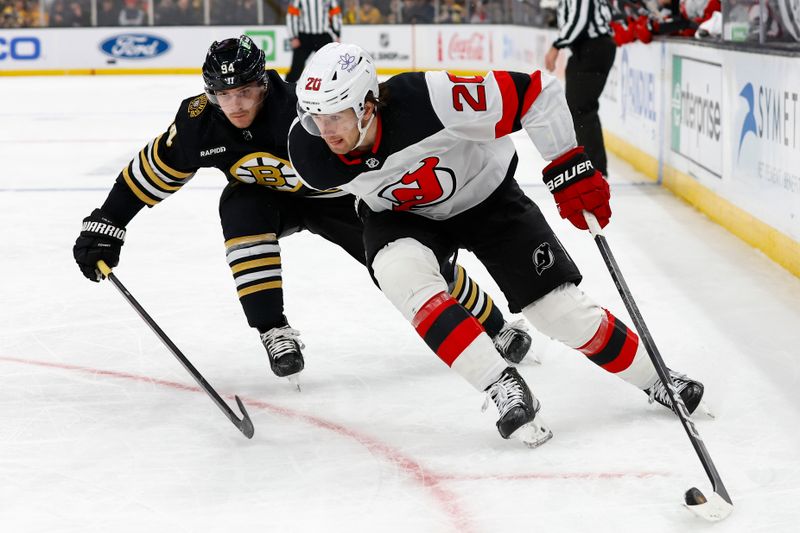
232	63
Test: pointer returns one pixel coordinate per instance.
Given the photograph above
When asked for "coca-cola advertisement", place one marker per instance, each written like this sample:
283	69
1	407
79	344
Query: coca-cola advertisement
459	46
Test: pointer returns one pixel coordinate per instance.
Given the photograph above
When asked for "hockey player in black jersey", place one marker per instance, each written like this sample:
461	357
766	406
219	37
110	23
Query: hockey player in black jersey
428	155
240	126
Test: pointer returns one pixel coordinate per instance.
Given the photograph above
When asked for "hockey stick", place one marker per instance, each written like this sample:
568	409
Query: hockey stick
245	425
718	505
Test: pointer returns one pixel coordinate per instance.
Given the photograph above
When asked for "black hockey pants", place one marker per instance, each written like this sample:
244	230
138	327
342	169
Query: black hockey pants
587	71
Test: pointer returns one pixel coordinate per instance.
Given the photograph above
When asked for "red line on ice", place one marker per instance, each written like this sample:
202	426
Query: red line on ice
443	497
447	500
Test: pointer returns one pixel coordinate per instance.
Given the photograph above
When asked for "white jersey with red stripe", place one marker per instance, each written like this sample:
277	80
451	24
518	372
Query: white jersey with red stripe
442	143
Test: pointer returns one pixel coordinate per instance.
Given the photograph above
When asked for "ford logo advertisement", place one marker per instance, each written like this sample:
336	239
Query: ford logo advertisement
134	46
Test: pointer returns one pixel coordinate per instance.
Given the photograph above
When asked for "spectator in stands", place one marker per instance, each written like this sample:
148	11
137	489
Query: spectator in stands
369	13
8	18
350	14
14	14
418	12
233	12
107	13
131	14
450	12
479	14
78	15
394	11
164	13
34	18
186	14
58	14
245	12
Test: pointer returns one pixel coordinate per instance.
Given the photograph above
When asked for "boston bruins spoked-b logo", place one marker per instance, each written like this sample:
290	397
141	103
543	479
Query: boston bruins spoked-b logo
543	257
266	169
428	185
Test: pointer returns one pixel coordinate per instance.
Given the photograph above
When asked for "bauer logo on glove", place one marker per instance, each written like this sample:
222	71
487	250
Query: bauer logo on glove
577	187
560	181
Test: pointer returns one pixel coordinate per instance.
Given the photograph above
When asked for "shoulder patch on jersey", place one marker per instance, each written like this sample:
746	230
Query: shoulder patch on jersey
197	105
173	131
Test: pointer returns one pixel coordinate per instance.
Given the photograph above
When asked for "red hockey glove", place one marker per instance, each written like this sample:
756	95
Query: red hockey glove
622	33
577	186
643	30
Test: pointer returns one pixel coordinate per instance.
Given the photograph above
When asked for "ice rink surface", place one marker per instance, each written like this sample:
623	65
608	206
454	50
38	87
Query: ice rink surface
102	430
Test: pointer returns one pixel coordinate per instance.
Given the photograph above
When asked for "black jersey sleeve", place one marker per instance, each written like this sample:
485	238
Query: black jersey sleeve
316	166
163	166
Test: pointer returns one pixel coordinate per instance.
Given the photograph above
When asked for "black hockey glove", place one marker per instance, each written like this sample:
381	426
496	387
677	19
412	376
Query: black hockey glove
100	239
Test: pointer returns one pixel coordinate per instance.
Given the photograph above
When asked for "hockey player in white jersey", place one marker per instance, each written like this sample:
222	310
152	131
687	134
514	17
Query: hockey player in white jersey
429	158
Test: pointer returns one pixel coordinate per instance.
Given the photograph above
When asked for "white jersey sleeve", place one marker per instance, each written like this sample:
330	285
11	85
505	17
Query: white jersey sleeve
484	108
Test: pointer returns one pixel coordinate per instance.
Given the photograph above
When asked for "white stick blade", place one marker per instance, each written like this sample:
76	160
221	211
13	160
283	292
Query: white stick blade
714	509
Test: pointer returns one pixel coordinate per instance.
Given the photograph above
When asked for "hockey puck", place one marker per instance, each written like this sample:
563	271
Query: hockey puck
693	496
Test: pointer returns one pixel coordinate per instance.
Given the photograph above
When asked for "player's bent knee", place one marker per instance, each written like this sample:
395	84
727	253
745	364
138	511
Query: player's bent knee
565	314
408	274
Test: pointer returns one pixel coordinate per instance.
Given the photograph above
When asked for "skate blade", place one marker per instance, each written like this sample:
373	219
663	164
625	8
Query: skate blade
706	410
531	359
533	434
294	379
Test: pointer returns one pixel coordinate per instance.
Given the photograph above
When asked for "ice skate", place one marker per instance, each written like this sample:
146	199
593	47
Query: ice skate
691	392
284	347
513	342
518	410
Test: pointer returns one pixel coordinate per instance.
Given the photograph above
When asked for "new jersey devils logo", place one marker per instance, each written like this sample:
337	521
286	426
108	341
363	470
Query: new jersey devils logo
428	185
543	258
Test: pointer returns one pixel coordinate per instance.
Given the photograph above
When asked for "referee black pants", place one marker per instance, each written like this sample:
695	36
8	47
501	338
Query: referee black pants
587	71
309	42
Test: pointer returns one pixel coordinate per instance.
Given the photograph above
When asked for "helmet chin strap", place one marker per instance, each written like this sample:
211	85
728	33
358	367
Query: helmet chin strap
363	131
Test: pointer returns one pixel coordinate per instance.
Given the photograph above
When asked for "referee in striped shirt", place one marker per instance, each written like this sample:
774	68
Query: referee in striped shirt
312	24
583	27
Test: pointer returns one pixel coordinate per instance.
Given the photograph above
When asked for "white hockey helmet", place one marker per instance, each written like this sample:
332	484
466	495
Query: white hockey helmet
338	77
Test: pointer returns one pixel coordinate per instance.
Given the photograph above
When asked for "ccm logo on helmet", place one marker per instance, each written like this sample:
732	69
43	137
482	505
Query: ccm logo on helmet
569	174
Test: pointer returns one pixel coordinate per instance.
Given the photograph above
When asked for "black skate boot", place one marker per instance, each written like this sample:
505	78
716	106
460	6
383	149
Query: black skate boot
518	408
691	391
513	342
283	346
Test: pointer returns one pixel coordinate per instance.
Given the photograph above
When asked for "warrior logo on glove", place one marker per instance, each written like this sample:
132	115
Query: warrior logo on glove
101	239
100	228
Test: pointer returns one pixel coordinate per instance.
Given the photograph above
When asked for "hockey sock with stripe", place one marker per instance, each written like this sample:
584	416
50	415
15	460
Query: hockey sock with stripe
475	300
459	340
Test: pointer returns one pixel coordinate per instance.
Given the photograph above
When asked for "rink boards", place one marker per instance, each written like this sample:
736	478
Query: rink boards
718	127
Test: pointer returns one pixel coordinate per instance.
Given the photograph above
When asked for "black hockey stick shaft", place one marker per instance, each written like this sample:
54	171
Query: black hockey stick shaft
655	357
244	424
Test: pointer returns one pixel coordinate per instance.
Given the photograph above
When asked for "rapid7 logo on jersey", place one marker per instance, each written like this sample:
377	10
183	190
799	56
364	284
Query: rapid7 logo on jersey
463	94
426	186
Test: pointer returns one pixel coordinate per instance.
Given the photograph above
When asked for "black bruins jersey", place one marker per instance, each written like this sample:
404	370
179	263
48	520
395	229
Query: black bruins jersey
201	137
